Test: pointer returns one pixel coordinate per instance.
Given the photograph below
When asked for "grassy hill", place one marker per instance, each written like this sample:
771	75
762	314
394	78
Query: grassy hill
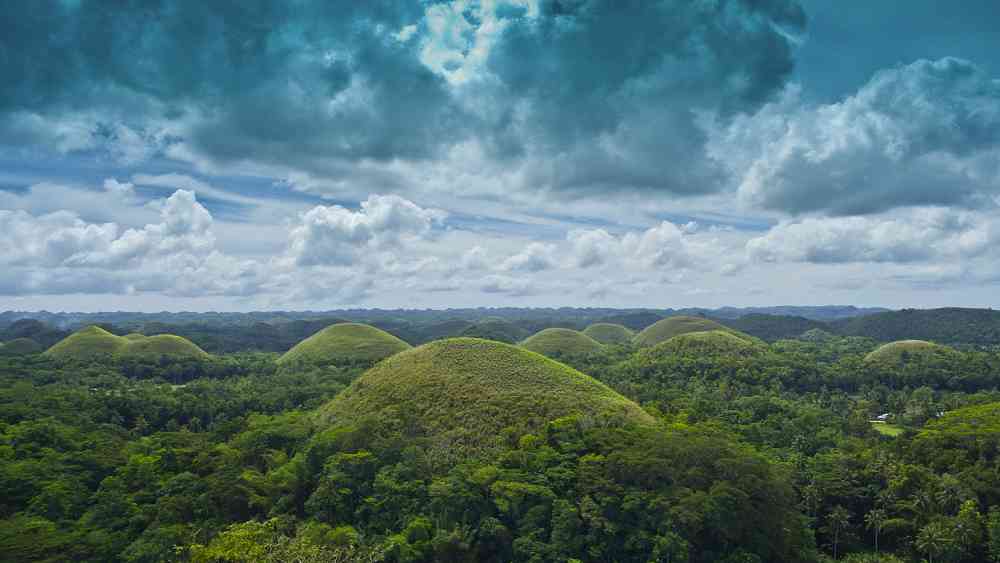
554	342
87	343
665	329
462	393
20	347
609	333
134	336
907	351
951	325
160	345
712	342
345	343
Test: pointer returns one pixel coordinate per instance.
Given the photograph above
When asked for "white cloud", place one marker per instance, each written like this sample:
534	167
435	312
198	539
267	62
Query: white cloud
923	134
535	257
334	235
918	235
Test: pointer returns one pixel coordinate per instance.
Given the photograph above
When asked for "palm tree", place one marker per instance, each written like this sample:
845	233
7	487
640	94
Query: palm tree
837	521
875	519
934	539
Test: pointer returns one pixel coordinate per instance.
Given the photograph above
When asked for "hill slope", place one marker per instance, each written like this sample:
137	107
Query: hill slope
708	343
160	345
561	341
462	392
670	327
609	333
905	351
948	325
87	343
347	343
20	347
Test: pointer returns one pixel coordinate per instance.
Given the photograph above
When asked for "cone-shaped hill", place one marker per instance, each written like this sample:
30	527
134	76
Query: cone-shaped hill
20	347
708	343
462	392
160	345
906	351
555	342
87	343
345	343
609	333
93	342
667	328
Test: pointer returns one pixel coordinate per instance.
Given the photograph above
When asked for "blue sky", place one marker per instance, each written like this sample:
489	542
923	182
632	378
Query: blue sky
309	155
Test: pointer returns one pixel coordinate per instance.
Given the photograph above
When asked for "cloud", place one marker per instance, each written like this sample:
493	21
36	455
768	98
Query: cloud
927	133
334	235
535	257
919	235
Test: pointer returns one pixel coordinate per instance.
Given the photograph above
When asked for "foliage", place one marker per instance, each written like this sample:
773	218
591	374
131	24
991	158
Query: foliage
667	328
609	333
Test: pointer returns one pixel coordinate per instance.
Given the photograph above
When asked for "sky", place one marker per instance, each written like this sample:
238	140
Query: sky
311	155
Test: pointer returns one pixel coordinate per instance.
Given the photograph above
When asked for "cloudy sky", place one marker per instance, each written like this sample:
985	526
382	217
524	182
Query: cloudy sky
191	155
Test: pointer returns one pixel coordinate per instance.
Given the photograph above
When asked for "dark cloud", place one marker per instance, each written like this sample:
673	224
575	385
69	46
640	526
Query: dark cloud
266	81
611	97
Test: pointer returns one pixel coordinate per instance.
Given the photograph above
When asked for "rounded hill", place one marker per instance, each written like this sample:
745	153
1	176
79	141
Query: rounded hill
667	328
133	336
561	341
161	345
461	393
707	343
906	351
345	343
86	344
20	347
609	333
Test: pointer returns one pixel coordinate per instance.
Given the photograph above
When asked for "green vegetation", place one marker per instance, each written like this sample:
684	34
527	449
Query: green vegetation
160	345
88	343
951	325
609	333
557	342
469	450
890	430
134	336
20	347
463	392
344	344
712	342
667	328
905	351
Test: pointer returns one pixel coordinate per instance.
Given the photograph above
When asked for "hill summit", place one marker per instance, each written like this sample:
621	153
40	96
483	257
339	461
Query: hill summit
905	351
667	328
555	342
609	333
345	343
461	393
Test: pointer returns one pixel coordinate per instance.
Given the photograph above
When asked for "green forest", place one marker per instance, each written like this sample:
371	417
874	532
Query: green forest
496	439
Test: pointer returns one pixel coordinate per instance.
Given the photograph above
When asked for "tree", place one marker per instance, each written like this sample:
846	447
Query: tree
836	522
993	533
935	539
874	520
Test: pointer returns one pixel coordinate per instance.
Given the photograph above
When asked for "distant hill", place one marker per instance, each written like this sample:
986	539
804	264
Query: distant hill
945	326
88	343
609	333
634	321
902	352
709	343
160	345
345	343
773	327
555	342
665	329
20	347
